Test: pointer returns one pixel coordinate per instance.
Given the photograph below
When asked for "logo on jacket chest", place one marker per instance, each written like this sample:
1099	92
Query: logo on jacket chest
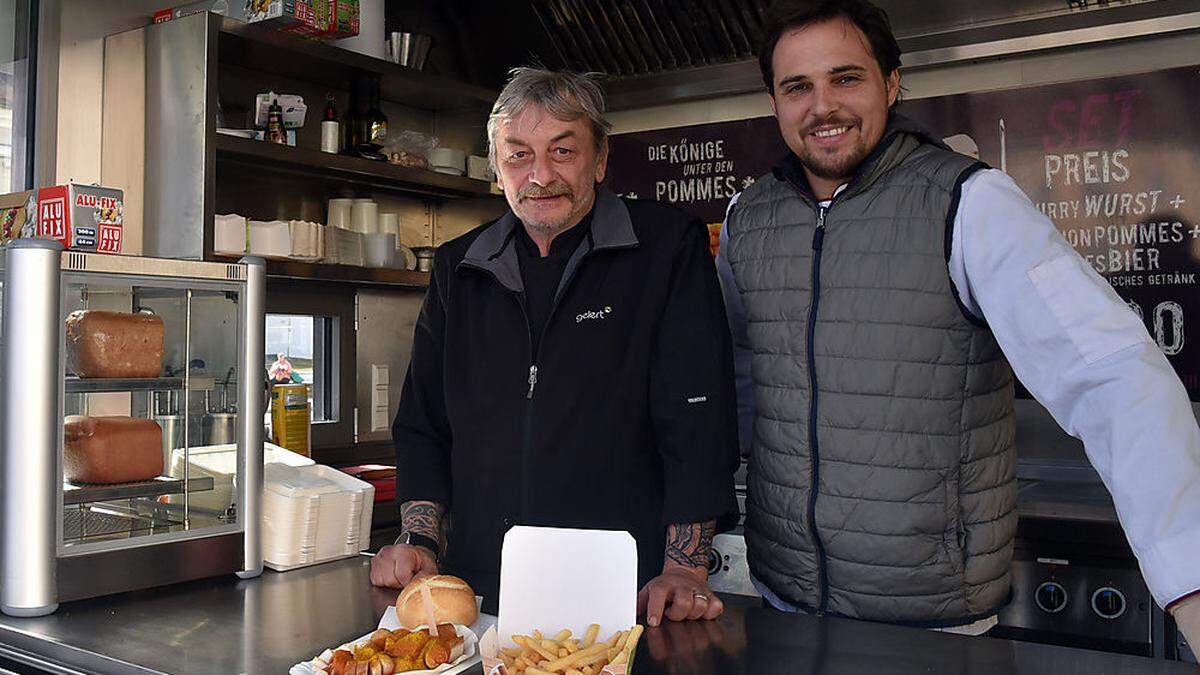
594	315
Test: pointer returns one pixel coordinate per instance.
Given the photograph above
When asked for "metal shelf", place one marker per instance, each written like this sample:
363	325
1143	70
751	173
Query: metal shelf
370	276
270	51
86	494
355	171
76	385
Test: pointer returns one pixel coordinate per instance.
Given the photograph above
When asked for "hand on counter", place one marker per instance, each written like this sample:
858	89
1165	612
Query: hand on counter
681	593
1187	617
396	566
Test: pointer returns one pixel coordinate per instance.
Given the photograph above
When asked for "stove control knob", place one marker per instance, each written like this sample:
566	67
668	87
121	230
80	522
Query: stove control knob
1050	597
714	561
1108	602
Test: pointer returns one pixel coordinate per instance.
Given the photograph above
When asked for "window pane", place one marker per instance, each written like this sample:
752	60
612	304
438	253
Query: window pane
14	69
300	349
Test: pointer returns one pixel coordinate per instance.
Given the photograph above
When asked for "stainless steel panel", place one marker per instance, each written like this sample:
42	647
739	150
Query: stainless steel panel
222	625
728	571
128	569
77	261
1078	617
1053	40
923	18
32	431
386	320
1079	29
250	397
268	624
180	117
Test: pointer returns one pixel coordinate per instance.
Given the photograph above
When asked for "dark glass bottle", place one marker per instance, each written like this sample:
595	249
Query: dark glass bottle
350	128
375	123
275	131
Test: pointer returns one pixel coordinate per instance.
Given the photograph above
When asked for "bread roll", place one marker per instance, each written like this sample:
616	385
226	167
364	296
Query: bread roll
111	449
453	602
114	344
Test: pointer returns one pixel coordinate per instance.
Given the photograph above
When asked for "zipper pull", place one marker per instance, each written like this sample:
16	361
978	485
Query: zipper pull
532	381
819	234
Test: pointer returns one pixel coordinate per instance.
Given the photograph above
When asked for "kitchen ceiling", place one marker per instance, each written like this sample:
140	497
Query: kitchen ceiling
643	46
639	37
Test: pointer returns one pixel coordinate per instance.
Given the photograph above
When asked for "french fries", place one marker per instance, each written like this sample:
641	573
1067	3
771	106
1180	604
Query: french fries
537	654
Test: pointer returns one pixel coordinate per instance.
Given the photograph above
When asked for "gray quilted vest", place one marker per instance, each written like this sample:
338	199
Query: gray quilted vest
882	479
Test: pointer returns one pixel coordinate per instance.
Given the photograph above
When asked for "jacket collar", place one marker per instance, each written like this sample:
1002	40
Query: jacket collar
901	137
494	250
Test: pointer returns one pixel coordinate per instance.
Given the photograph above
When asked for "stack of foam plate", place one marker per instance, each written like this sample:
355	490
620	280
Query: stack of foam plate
219	462
313	514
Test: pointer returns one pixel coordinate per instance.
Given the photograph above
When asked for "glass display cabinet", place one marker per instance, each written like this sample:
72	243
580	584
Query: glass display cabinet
132	396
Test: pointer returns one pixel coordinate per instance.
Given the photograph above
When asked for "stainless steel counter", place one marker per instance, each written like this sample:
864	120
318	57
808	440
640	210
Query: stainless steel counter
267	624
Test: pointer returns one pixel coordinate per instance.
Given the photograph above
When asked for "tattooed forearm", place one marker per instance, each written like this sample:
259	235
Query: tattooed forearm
688	543
424	518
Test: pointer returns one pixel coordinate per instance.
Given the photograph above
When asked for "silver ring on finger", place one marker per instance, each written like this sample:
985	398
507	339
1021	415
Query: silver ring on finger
697	595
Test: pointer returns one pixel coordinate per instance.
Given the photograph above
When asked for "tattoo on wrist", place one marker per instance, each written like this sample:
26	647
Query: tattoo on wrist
689	543
424	518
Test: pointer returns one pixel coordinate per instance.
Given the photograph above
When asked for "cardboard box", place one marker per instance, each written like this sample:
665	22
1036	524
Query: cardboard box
80	217
14	210
320	19
292	106
556	578
234	9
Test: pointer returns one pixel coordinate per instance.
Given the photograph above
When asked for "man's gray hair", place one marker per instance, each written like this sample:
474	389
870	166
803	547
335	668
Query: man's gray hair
565	95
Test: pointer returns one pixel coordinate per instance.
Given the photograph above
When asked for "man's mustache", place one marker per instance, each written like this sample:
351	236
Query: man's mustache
541	192
849	122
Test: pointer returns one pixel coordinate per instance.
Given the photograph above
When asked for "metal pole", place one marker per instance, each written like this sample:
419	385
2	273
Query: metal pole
250	414
32	428
187	404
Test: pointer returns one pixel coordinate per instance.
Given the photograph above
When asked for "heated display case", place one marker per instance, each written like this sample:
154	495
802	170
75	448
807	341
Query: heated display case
117	374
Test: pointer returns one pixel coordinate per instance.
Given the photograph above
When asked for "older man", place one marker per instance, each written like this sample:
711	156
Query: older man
571	367
880	285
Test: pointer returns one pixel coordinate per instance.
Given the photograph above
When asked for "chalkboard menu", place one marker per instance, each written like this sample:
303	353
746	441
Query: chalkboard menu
1113	162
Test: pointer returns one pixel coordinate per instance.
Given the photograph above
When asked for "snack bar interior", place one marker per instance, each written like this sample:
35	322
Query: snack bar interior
599	337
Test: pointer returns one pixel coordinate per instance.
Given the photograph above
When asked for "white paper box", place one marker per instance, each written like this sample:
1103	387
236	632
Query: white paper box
229	234
556	578
270	238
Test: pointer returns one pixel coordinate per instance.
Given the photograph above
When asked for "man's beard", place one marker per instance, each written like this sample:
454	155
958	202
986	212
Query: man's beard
553	190
835	167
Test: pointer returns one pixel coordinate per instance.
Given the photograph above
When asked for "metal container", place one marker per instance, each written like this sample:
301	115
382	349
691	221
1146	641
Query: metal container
409	49
220	428
172	437
425	258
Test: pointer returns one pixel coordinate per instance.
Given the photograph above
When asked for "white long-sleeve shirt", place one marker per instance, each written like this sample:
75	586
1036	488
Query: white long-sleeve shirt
1083	354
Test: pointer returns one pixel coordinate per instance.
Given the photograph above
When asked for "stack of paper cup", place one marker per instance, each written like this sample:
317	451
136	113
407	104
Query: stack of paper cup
389	223
364	216
379	249
339	213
